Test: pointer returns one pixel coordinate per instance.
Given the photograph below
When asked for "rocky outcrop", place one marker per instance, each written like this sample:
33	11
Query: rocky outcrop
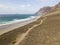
57	6
48	9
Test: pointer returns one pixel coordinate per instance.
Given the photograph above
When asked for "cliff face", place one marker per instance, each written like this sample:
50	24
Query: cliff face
48	9
45	10
57	6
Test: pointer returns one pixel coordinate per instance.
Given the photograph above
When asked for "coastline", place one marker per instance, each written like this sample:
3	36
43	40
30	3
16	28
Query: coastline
9	27
41	30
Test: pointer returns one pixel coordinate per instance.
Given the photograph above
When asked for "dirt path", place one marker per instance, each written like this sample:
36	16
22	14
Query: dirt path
21	37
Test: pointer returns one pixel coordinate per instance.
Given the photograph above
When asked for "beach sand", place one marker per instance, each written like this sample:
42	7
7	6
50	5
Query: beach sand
9	27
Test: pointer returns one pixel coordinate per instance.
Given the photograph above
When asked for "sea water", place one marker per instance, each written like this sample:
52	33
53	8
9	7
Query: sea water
10	18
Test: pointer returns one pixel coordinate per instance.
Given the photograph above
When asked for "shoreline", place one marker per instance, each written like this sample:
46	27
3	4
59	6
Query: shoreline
10	27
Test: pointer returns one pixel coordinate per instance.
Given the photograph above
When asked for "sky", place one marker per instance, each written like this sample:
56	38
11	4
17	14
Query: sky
24	6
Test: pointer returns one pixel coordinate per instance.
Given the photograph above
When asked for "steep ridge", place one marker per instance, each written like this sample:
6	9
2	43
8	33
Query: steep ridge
48	9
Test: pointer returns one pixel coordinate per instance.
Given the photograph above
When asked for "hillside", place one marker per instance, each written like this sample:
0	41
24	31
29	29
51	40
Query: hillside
48	33
48	9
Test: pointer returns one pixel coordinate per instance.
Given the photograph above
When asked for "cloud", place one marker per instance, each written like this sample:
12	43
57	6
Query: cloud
45	0
25	8
3	6
27	5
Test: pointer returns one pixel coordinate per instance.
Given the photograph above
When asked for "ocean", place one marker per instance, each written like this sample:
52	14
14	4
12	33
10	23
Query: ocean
11	18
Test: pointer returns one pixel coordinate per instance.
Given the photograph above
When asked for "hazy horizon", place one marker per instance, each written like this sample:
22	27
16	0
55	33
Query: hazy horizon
24	6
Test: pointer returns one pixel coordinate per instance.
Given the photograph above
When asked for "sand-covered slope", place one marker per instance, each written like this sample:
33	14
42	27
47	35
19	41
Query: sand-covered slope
48	33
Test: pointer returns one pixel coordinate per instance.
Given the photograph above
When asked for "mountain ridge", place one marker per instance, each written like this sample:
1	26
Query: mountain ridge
48	9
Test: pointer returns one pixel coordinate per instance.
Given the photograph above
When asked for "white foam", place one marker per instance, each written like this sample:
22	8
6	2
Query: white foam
16	23
18	20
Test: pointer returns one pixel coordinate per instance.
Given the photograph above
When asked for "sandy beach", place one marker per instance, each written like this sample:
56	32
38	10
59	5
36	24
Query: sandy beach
9	27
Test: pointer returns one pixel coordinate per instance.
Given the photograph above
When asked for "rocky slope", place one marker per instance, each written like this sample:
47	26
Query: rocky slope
49	9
